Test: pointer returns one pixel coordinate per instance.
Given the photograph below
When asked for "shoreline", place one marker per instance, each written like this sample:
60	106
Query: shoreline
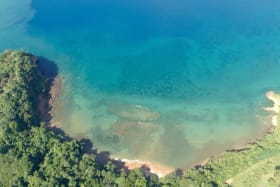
147	166
153	168
162	171
48	99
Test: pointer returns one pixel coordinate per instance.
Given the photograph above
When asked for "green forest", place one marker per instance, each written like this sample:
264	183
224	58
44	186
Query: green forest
32	154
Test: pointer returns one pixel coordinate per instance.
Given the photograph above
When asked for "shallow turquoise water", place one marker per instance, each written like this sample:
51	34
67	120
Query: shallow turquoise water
167	81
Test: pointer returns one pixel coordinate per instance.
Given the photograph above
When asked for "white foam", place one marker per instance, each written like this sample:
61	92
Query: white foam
275	109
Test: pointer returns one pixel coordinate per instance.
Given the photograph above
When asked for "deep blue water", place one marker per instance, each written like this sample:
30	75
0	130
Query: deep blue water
166	81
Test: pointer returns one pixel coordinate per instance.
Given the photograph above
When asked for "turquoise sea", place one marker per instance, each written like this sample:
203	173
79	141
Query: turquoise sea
172	82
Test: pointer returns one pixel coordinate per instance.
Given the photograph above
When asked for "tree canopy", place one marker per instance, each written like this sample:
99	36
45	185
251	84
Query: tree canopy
31	154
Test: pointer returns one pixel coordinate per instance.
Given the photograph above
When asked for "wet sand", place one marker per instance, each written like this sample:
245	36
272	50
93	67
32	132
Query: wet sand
153	168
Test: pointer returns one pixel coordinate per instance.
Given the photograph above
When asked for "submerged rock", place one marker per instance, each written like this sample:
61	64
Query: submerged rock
133	112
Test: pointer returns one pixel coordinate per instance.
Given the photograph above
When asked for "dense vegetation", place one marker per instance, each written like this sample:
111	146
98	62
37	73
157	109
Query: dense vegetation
33	155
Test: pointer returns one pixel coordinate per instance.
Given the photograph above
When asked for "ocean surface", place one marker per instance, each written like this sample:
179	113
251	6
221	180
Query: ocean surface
172	82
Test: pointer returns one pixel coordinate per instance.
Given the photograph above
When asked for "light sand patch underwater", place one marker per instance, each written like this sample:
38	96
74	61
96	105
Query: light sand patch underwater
156	82
169	132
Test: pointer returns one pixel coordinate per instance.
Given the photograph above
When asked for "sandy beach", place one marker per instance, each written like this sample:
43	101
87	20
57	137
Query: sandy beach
154	168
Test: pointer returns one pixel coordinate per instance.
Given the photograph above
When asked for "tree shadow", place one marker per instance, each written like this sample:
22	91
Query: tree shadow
147	171
60	133
104	158
49	70
179	172
87	146
47	67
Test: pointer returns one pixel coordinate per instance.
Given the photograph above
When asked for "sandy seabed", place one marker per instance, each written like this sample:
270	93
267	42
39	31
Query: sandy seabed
162	171
154	167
